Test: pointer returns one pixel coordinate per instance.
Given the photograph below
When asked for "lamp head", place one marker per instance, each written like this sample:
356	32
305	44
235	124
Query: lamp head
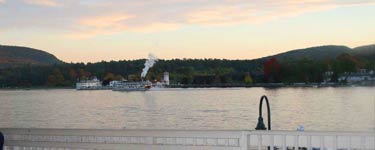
260	125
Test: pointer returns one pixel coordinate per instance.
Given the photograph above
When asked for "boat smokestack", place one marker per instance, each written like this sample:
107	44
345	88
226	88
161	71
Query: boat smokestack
148	64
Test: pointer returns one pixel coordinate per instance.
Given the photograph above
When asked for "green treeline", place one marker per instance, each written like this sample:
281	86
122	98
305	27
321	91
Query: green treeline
186	71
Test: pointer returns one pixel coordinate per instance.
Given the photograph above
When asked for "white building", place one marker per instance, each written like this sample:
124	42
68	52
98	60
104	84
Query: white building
166	78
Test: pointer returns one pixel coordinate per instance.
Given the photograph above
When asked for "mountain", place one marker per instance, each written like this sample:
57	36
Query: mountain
15	56
11	56
365	52
313	53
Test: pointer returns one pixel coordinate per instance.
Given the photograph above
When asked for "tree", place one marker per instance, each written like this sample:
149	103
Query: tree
134	77
119	78
248	79
109	76
51	81
346	63
271	70
59	77
82	74
73	74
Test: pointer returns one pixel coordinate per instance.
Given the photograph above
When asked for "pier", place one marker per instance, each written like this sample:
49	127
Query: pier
137	139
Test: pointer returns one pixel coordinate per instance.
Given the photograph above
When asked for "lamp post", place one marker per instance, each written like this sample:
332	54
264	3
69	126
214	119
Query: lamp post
1	141
260	125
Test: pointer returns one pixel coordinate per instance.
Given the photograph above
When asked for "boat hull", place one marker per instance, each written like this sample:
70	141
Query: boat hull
130	89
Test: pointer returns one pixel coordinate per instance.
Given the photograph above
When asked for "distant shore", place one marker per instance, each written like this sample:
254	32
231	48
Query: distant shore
35	88
265	85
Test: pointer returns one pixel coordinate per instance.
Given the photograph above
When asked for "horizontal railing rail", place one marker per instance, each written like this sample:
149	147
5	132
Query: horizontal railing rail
184	139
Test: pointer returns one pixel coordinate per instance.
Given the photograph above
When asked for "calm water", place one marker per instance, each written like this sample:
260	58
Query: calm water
349	109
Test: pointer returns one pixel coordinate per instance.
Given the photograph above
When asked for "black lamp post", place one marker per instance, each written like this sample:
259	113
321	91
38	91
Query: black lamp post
1	141
260	125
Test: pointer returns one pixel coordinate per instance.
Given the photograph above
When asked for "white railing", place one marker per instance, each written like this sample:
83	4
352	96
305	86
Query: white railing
311	140
122	139
184	139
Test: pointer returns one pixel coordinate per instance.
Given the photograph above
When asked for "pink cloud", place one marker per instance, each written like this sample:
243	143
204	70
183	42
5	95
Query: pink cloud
51	3
114	23
105	21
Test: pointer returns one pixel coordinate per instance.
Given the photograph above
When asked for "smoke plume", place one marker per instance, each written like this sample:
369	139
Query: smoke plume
148	64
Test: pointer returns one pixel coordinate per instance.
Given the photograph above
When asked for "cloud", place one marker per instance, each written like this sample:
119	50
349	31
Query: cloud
51	3
105	21
90	18
114	23
151	16
99	25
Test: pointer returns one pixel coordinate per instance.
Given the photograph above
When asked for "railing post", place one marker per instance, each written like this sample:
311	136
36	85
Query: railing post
260	142
244	141
284	141
321	142
296	142
272	141
350	143
335	142
309	138
363	142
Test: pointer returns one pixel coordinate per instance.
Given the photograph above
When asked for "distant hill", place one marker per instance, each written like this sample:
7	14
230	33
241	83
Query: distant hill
322	53
11	56
313	53
366	52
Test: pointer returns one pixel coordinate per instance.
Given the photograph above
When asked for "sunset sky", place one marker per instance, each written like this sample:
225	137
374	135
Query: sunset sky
95	30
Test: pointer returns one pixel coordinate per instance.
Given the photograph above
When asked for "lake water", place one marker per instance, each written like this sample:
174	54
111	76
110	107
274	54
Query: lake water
339	109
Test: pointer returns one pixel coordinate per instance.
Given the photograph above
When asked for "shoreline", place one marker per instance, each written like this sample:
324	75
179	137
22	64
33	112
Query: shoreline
275	85
267	85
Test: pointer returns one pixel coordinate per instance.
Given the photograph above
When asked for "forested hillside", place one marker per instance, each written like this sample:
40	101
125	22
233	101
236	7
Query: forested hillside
304	65
13	56
319	53
366	52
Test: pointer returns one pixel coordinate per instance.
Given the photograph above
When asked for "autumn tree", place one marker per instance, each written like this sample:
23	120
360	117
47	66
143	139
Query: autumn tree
51	80
134	77
73	74
271	69
119	78
248	79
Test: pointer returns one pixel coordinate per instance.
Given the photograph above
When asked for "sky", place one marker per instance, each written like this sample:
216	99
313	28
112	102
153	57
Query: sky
96	30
